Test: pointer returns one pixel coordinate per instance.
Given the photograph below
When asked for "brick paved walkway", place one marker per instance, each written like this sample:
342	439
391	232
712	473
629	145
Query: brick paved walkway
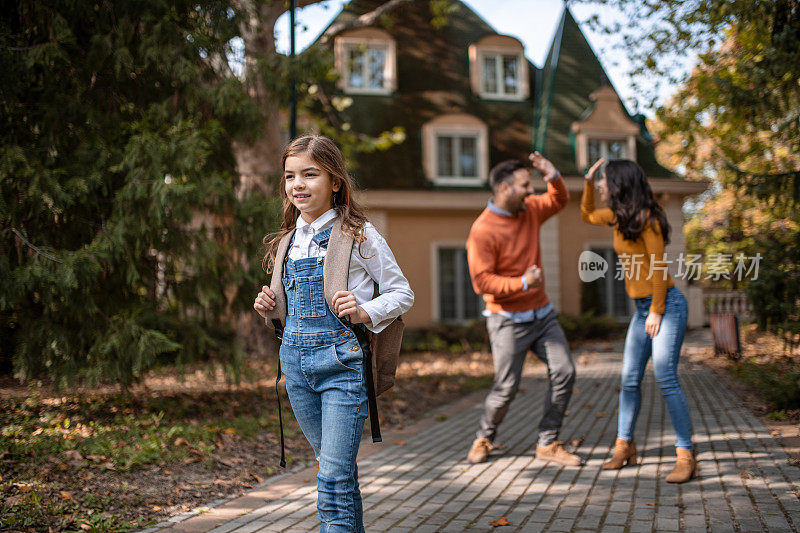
745	481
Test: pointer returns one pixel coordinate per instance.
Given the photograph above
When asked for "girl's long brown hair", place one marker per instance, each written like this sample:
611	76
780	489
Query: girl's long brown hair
327	155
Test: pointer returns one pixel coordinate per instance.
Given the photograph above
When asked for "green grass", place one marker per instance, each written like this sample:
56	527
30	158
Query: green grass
40	440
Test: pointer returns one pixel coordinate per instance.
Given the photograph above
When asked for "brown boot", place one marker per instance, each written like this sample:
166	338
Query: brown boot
555	452
624	453
685	467
479	453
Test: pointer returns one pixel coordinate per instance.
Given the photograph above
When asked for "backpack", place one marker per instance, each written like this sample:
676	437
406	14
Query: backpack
381	350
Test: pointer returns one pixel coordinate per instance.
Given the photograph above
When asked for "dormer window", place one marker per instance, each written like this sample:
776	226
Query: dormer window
606	131
455	150
498	68
607	149
500	75
366	60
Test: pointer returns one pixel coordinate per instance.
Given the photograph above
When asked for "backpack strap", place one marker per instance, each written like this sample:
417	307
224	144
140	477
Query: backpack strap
277	319
362	335
336	268
277	316
335	272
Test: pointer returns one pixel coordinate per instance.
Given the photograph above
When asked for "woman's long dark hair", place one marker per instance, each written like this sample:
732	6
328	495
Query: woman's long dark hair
631	199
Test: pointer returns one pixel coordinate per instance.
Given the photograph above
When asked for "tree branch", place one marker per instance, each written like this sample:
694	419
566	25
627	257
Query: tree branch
33	247
367	19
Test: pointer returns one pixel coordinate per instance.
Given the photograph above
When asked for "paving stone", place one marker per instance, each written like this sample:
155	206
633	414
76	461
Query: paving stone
426	485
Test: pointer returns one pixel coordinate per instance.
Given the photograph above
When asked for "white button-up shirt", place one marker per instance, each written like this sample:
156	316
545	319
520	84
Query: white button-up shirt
376	265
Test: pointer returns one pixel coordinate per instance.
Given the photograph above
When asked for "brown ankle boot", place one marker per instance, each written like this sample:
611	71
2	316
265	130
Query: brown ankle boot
685	467
624	453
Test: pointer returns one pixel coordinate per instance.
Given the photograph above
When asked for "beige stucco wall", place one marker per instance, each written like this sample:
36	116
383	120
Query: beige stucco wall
411	236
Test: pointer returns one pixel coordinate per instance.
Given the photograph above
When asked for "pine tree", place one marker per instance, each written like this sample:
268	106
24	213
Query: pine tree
120	219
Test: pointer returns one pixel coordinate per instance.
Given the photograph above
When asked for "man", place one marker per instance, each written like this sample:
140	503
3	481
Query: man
505	264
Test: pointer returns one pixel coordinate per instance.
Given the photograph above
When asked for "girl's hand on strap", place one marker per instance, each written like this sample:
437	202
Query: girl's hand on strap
652	324
265	301
344	304
592	171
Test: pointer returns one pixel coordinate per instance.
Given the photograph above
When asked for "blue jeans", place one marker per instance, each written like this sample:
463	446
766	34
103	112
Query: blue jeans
329	399
665	349
322	363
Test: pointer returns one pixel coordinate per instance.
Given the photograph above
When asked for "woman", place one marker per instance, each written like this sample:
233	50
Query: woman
659	321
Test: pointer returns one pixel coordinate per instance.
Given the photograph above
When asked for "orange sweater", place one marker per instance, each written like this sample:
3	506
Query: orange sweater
649	246
500	249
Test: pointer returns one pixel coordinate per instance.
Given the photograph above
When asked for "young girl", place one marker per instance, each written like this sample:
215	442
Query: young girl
659	321
320	357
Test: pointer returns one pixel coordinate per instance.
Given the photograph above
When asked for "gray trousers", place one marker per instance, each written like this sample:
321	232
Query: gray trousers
510	344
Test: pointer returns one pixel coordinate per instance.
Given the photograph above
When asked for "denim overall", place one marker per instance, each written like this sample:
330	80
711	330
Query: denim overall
323	368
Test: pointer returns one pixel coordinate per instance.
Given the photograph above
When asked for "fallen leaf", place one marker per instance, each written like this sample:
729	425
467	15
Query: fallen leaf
258	478
400	442
651	504
180	441
73	455
588	404
155	508
190	460
13	501
230	431
108	465
23	487
66	495
37	431
97	457
600	414
502	521
578	442
86	526
576	390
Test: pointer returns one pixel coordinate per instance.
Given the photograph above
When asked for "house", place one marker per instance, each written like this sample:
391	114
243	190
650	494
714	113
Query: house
468	98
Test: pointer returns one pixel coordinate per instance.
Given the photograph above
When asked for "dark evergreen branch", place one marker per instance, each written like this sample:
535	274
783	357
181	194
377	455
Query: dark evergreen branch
33	247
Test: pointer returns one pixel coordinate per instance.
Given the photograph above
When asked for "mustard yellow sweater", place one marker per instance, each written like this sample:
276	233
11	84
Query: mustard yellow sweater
636	256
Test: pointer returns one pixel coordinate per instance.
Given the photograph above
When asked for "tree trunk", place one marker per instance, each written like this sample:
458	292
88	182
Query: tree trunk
260	159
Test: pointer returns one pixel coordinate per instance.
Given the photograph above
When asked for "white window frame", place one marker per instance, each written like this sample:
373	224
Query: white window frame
458	134
430	149
604	142
436	311
498	54
346	44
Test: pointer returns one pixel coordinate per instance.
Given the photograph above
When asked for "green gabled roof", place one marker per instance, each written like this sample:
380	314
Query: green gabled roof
433	80
569	75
